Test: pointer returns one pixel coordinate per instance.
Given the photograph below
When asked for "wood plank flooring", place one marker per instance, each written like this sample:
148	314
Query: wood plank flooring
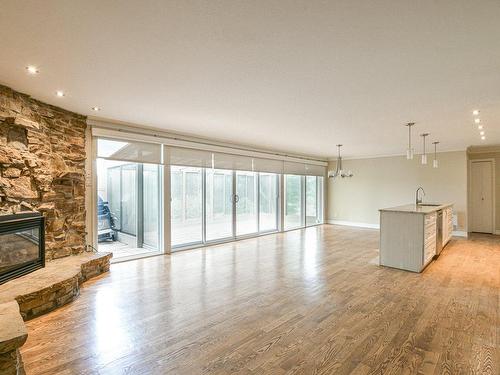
303	302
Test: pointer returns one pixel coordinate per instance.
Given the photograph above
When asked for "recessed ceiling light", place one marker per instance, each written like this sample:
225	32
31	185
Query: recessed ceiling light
477	120
32	69
483	137
480	127
59	93
475	112
96	109
481	133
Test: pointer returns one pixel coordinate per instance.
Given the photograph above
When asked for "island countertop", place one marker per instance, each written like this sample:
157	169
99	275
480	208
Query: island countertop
417	209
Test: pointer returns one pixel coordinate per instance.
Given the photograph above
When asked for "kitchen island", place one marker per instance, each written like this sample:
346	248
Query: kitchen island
411	236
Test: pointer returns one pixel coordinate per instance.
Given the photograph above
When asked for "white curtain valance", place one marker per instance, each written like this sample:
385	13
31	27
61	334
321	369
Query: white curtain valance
121	145
303	169
205	159
315	170
139	152
188	157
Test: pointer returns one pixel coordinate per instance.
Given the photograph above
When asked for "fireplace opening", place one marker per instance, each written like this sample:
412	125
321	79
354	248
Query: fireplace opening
22	244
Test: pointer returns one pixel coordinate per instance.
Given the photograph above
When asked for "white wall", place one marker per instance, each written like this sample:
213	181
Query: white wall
392	181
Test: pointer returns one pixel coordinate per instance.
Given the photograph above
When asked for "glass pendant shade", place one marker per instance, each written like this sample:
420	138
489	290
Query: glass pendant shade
435	163
409	150
424	154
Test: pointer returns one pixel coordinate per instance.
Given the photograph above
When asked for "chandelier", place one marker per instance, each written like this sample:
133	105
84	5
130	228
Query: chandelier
339	172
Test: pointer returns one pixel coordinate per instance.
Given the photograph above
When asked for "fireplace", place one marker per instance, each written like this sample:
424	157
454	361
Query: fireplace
22	244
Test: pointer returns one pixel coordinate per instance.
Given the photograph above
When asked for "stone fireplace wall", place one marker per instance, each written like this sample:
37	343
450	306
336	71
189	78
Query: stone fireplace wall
42	168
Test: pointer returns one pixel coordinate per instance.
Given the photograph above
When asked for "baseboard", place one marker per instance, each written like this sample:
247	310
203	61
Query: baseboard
459	233
354	224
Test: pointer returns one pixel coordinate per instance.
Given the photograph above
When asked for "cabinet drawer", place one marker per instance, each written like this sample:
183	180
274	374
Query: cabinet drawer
430	248
430	219
430	231
430	243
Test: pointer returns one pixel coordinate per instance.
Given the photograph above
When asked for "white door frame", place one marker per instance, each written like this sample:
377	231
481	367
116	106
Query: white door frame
493	185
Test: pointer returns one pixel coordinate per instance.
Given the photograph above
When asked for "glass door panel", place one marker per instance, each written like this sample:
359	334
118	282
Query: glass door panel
268	202
246	203
311	200
186	205
320	206
129	199
111	194
151	205
293	201
219	204
128	207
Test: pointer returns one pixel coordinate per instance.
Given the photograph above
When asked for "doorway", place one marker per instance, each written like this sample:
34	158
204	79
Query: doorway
482	179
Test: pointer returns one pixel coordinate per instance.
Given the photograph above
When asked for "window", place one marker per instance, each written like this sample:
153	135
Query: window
293	201
268	202
314	200
128	207
219	204
186	205
213	196
129	199
246	203
151	205
311	200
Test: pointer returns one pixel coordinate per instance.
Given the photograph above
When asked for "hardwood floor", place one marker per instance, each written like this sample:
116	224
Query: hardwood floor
302	302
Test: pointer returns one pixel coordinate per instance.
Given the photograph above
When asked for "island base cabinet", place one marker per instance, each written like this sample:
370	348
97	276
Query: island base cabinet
407	240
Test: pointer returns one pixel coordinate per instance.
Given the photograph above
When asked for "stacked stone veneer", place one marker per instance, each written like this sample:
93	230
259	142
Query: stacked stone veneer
42	167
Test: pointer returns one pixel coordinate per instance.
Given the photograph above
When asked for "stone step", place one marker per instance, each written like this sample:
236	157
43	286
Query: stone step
55	285
13	335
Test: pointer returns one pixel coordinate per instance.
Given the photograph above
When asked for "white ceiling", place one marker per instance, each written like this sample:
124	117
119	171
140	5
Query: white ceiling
294	76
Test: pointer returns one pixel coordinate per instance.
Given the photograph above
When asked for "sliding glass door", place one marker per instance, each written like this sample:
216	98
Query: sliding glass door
293	202
218	204
311	200
210	205
186	218
268	202
246	203
303	201
314	200
151	199
128	207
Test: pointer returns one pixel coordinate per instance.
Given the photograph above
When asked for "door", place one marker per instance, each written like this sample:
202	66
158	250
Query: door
293	202
219	204
268	202
482	196
186	205
246	203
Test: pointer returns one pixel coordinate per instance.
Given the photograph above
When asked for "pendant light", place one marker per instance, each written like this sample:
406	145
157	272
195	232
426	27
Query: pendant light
409	151
435	161
339	172
424	155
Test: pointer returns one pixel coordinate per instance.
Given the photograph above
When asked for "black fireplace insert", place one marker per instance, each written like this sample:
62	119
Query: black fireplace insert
22	244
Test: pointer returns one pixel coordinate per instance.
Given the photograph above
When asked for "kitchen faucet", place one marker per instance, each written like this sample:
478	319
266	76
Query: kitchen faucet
417	199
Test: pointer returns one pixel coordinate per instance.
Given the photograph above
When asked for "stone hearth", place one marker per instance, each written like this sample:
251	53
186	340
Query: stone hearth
38	293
